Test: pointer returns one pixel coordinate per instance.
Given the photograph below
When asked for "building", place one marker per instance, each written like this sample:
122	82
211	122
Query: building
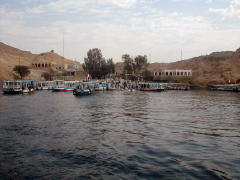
48	65
74	67
43	65
173	73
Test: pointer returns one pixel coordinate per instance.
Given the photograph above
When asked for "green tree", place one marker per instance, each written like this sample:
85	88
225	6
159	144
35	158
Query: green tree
92	63
129	66
141	63
103	69
111	66
96	65
21	70
147	75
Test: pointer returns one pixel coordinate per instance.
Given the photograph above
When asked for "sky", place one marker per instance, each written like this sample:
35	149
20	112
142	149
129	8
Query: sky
160	29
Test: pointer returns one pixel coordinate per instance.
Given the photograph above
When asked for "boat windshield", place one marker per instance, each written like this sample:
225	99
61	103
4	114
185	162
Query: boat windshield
11	83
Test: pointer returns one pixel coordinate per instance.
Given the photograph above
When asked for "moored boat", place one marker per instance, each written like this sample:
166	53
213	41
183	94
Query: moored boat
150	87
30	90
102	86
58	86
64	86
19	86
12	87
45	85
225	87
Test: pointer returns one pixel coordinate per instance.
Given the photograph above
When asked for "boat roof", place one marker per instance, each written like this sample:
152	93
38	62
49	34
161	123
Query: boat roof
25	81
148	83
225	85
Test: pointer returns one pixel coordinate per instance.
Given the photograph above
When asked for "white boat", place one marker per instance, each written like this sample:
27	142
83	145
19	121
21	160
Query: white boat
150	87
19	86
45	85
64	86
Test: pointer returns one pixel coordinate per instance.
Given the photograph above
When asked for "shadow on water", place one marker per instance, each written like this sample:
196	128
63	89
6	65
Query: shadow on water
120	135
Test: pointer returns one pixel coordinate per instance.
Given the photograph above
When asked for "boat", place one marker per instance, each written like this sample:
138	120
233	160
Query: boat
19	86
177	86
69	85
12	87
225	87
102	86
150	87
45	85
82	90
58	86
64	86
28	90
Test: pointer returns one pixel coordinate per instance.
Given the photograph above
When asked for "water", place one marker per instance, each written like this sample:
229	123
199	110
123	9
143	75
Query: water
120	135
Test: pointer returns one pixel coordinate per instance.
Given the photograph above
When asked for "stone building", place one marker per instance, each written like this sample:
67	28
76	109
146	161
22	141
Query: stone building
173	73
43	65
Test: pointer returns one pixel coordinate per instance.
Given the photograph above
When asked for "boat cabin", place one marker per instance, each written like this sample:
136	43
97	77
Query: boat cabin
19	86
150	87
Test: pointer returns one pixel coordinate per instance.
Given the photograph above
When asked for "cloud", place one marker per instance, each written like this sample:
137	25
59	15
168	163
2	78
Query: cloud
182	0
148	30
232	11
71	6
119	3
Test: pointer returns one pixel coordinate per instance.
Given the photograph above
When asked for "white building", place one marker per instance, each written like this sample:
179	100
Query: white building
175	73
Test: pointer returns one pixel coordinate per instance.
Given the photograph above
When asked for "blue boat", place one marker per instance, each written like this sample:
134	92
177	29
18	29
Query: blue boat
82	90
101	86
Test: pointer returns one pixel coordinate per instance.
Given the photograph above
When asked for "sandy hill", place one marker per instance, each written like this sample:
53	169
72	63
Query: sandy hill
218	67
52	57
10	56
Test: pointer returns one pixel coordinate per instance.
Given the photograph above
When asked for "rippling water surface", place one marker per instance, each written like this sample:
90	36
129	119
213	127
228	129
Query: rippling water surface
120	135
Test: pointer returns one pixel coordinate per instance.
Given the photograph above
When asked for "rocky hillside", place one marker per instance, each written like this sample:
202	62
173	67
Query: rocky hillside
218	67
10	56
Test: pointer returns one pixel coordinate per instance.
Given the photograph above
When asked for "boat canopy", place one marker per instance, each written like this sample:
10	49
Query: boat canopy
24	81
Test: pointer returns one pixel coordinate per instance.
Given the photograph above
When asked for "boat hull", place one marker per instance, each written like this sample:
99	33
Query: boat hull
62	89
68	89
152	90
27	91
100	89
11	92
82	92
111	89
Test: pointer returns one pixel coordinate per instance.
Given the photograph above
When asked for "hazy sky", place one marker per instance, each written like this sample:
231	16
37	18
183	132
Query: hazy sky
156	28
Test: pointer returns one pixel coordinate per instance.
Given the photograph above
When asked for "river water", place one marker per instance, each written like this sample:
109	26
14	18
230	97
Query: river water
120	135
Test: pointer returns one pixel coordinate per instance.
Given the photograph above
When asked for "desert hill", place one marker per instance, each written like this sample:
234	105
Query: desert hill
10	56
218	67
